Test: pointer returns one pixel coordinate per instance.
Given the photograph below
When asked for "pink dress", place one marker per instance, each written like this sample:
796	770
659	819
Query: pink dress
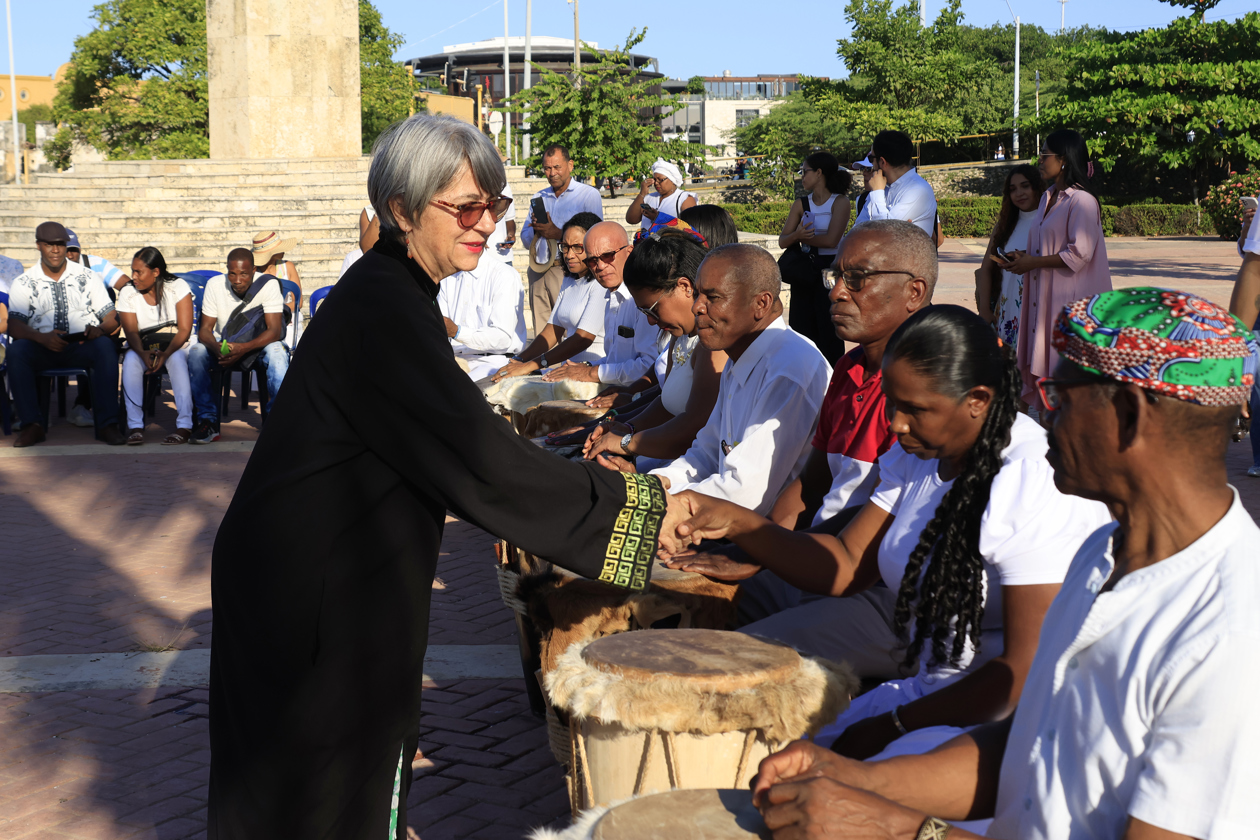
1073	230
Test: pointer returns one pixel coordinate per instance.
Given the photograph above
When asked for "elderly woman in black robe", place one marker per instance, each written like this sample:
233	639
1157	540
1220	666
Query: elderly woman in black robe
320	630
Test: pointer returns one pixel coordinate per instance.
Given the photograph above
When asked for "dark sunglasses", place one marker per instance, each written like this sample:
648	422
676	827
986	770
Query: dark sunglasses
607	257
470	214
854	279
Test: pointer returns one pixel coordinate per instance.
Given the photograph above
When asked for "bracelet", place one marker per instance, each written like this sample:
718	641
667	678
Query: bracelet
630	426
933	829
897	721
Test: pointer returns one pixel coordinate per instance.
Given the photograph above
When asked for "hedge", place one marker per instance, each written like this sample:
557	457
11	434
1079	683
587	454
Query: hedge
974	217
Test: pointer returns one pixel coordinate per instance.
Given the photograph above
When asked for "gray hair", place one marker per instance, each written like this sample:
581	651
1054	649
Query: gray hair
750	266
907	246
416	158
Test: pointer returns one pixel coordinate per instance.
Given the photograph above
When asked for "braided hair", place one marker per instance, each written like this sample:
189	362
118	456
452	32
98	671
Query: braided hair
153	258
956	351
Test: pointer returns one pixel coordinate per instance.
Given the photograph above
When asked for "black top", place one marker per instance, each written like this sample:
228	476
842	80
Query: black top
324	562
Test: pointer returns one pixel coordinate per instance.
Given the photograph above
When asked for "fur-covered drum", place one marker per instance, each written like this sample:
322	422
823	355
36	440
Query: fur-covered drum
555	416
708	814
657	710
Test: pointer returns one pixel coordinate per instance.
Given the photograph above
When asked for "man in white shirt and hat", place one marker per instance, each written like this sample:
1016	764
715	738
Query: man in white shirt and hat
1138	717
897	189
484	311
563	198
759	435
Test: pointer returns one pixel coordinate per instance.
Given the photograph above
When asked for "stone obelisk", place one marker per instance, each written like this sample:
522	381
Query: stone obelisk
284	78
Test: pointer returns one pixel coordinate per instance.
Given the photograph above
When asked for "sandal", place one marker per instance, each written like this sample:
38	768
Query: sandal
135	438
177	437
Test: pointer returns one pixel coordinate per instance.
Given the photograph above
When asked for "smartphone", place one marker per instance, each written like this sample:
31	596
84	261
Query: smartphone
650	212
539	210
1249	203
1001	253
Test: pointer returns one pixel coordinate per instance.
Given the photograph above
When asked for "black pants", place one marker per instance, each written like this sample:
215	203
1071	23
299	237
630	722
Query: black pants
810	315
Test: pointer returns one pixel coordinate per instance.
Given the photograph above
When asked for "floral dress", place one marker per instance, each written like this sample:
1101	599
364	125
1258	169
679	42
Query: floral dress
1006	321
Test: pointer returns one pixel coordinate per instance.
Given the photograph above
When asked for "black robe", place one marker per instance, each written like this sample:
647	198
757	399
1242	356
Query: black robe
323	565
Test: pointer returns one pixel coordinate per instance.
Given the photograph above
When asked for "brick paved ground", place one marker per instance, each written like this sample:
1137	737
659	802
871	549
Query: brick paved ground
105	553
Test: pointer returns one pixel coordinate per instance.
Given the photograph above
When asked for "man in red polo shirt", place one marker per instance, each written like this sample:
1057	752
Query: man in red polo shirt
885	271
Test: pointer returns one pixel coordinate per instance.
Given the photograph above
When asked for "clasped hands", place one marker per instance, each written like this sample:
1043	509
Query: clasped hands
692	519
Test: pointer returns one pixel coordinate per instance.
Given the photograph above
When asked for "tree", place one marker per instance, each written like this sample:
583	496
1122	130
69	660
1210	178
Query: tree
388	87
607	118
696	85
1186	96
136	86
32	114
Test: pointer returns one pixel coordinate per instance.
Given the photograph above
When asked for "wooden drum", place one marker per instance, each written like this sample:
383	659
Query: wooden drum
656	710
707	814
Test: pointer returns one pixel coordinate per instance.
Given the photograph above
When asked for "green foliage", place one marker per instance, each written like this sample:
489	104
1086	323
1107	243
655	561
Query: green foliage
1224	201
775	173
695	85
388	87
57	150
27	117
607	119
1183	97
975	217
803	130
136	85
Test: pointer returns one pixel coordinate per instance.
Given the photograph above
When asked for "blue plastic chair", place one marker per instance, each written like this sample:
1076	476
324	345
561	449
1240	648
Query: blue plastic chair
248	377
317	297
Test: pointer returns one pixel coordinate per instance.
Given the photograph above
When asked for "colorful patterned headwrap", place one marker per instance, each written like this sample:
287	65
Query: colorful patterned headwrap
1168	342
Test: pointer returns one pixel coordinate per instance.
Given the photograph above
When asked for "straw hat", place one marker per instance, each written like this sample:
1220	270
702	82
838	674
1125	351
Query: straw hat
268	242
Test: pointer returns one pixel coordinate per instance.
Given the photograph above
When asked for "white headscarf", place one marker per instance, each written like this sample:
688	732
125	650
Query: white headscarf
670	171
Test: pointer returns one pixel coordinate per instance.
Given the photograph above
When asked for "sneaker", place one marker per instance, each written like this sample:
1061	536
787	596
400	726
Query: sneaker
204	432
81	416
1254	472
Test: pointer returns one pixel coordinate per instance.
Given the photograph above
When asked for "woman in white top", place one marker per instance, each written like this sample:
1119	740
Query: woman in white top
576	328
966	526
670	198
999	292
660	275
818	231
159	305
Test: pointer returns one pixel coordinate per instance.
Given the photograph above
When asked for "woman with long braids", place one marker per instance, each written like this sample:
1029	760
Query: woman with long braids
156	313
966	526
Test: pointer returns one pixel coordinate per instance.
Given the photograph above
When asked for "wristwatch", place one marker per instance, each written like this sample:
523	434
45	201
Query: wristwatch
625	442
542	361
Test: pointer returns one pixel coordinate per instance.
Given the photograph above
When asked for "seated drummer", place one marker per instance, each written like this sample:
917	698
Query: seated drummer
966	526
484	311
630	342
885	272
758	435
1138	718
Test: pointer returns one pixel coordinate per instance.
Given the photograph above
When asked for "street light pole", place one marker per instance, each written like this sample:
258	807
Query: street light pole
529	79
17	145
923	13
507	83
577	57
1015	123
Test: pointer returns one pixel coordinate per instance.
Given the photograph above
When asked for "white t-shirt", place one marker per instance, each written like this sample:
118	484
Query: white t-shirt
670	205
220	301
148	315
1251	245
822	220
1028	535
580	306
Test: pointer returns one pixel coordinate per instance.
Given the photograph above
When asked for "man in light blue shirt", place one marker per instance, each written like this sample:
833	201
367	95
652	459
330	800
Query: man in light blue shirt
111	275
897	190
564	198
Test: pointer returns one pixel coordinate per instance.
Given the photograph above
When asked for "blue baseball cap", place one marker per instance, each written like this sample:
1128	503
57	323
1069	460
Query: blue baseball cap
72	240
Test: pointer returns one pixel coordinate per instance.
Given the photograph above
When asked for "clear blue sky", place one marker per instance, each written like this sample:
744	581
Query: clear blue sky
744	36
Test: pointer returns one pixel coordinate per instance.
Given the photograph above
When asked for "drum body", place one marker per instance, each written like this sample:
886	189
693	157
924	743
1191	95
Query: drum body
705	814
657	710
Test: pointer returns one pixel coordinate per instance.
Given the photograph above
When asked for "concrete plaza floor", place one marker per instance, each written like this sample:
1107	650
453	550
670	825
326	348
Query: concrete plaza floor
107	551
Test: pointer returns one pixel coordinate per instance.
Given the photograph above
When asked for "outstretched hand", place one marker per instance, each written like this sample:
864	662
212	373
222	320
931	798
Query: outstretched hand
711	518
717	564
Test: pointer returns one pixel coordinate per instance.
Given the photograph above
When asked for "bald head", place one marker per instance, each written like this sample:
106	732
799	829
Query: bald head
905	247
608	238
749	266
605	236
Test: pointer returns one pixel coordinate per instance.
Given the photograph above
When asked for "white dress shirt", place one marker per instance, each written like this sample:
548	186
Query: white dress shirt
487	305
626	357
576	198
760	432
909	197
1141	701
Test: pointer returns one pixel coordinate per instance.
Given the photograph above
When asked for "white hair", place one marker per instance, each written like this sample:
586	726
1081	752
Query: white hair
416	158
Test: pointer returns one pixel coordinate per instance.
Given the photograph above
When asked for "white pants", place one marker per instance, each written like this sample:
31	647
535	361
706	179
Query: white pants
133	388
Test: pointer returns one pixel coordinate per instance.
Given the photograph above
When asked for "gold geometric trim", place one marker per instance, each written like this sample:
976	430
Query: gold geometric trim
632	544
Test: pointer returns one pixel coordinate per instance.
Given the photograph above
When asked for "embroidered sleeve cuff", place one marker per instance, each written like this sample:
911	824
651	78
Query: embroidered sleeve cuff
632	545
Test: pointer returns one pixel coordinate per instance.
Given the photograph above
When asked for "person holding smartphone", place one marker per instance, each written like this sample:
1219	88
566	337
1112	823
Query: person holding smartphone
1245	303
670	198
999	292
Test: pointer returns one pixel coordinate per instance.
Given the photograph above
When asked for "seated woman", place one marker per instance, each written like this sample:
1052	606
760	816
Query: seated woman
966	526
669	199
660	275
576	328
156	313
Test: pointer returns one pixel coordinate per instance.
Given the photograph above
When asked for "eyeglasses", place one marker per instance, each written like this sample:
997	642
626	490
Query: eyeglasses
854	279
577	248
607	257
1051	390
805	169
648	309
470	214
